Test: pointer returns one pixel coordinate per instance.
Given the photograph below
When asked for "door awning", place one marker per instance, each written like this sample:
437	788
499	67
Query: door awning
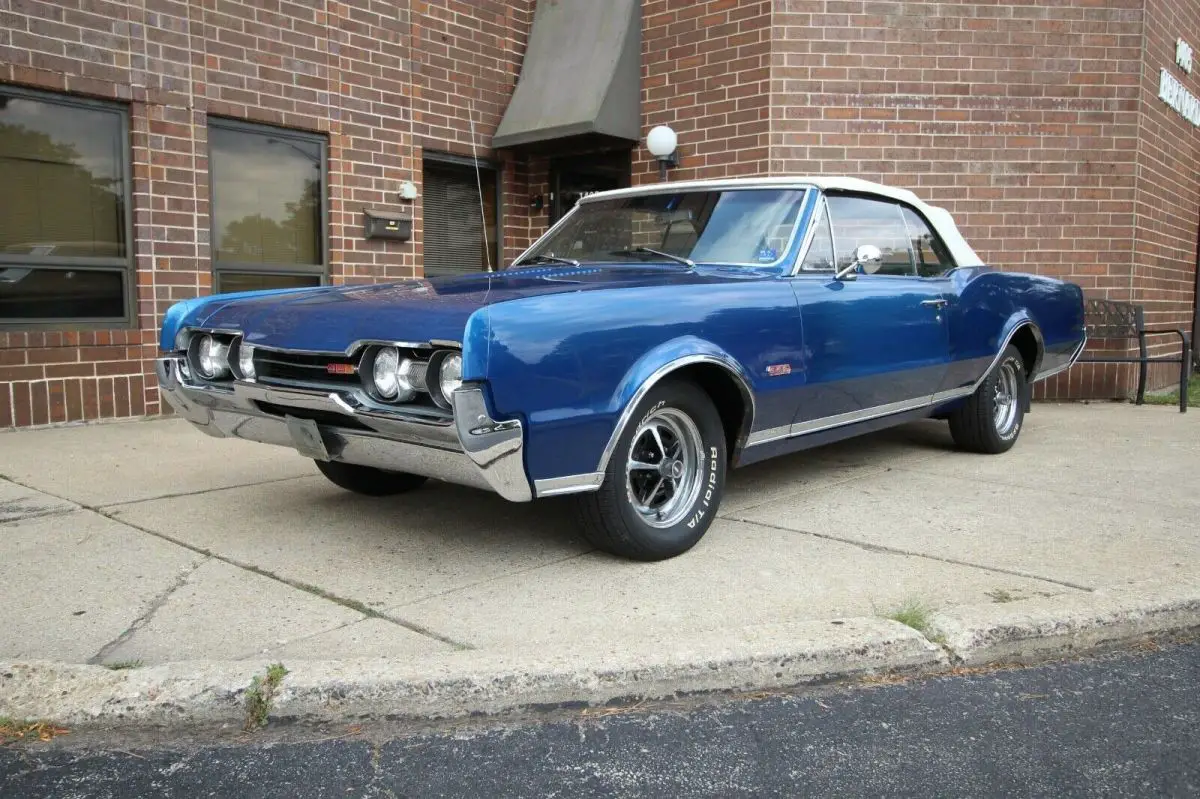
581	76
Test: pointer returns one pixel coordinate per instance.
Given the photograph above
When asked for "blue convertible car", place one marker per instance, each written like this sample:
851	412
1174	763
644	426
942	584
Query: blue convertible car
650	341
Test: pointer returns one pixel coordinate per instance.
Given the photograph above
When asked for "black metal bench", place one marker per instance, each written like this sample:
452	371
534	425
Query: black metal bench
1106	319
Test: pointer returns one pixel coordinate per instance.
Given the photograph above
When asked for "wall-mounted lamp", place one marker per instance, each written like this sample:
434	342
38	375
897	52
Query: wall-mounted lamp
407	191
662	143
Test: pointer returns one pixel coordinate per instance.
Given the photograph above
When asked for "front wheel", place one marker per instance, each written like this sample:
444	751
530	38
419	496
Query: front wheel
991	418
368	480
664	481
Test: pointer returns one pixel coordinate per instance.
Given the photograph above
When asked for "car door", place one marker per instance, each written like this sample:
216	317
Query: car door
877	343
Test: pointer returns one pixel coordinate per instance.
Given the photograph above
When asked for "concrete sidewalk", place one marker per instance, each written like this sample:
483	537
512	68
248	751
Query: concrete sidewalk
150	543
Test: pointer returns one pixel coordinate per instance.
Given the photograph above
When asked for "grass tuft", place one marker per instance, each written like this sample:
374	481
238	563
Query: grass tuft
913	613
1172	397
13	730
1001	596
122	665
261	694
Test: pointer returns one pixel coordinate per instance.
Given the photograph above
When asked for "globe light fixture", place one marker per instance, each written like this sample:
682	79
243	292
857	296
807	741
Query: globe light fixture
662	142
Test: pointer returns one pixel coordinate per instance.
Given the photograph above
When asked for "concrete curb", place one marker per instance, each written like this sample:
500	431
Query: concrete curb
1043	628
460	684
468	683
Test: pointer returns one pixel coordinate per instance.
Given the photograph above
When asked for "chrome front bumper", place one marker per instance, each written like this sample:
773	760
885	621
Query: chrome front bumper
473	449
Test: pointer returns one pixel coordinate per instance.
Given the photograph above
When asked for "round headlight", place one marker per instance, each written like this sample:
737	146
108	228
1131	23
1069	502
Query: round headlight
214	358
385	375
450	376
246	360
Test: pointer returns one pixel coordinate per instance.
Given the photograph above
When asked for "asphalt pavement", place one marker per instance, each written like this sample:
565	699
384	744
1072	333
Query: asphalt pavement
1121	725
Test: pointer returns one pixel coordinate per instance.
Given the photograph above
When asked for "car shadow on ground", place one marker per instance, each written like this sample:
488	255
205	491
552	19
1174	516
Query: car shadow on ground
442	514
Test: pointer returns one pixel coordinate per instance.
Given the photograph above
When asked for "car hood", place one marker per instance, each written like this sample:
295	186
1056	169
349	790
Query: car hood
330	319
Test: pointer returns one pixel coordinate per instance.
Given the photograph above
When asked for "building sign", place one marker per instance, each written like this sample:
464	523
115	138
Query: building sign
1174	93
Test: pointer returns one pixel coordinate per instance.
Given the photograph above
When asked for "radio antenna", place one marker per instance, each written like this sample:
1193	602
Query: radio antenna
487	250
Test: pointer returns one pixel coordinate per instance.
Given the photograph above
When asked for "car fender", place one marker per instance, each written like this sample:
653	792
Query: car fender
660	363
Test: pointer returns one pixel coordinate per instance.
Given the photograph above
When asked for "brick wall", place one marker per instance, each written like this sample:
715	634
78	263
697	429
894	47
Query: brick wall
1022	120
382	80
1168	195
705	72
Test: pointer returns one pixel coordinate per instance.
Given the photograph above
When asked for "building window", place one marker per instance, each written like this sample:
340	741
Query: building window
268	206
64	211
461	227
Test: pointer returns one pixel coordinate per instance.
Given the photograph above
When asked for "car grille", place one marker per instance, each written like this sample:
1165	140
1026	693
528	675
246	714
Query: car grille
294	368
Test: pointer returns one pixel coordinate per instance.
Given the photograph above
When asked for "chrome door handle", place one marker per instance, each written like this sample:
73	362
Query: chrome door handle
938	303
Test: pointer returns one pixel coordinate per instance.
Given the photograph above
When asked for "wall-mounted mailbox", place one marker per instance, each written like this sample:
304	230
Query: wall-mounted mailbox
386	225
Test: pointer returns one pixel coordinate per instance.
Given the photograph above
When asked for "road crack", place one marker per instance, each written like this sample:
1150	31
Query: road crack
144	619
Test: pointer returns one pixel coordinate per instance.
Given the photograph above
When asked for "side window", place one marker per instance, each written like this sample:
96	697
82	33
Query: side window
932	256
819	257
859	220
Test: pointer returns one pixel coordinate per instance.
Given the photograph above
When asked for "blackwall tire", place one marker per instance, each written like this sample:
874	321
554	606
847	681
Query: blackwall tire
991	419
369	481
653	504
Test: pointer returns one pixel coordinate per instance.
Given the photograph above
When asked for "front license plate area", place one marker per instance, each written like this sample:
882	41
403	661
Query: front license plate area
307	439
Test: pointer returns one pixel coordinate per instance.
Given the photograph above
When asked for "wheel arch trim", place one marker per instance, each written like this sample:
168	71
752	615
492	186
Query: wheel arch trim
719	359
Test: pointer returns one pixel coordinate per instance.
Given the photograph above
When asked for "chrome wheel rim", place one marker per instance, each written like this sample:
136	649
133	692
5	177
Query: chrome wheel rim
665	469
1005	399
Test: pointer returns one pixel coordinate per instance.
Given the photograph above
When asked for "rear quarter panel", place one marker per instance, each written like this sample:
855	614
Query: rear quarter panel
567	364
989	305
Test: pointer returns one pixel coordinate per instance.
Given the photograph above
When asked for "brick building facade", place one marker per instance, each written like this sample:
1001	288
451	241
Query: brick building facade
242	142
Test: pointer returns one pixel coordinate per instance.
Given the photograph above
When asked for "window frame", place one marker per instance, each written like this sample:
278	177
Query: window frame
125	265
242	126
439	158
937	237
820	216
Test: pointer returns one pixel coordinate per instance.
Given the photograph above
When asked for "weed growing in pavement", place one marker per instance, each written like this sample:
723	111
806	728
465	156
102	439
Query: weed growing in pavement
13	730
1001	596
122	665
916	614
261	694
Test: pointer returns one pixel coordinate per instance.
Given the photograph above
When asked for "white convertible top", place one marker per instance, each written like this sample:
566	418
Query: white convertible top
940	218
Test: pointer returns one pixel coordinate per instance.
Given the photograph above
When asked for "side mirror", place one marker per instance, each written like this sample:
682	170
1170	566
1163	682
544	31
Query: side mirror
867	260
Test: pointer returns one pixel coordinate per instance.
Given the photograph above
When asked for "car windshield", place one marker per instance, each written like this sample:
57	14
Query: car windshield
744	227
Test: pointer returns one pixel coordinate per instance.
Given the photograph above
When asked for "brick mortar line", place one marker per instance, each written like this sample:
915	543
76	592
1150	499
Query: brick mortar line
880	549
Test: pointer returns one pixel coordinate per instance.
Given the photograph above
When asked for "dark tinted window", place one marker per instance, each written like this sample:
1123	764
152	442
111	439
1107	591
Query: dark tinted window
63	189
820	251
267	190
858	221
64	165
228	282
932	256
30	293
459	223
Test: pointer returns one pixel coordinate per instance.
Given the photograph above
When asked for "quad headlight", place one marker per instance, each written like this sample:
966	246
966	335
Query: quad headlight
246	360
393	377
212	357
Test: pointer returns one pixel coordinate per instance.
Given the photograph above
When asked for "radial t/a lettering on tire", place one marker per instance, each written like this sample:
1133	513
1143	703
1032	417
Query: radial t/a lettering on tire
664	481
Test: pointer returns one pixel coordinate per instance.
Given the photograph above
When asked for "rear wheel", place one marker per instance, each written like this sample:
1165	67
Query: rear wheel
991	418
665	478
368	480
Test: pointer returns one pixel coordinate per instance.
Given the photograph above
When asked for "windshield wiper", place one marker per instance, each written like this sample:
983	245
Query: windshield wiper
548	259
659	253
